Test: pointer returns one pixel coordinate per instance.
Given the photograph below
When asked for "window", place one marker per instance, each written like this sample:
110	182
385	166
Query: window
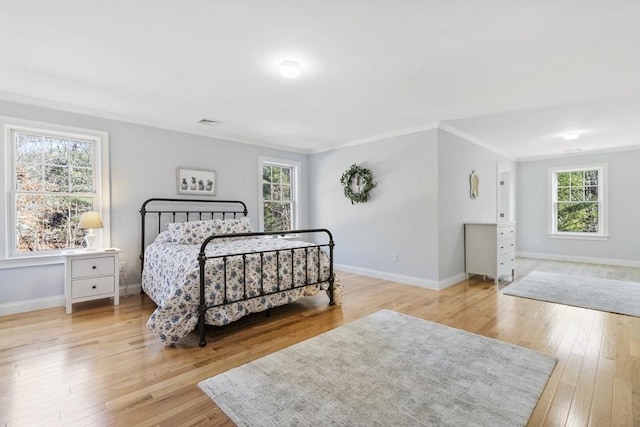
54	175
278	195
578	201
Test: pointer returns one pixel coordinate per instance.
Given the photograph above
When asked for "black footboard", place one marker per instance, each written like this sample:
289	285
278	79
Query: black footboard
202	259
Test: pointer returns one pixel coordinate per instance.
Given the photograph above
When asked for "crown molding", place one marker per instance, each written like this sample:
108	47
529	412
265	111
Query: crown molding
379	137
55	105
455	131
580	153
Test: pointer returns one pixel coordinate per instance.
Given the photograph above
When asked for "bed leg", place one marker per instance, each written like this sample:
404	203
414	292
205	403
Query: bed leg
331	280
201	310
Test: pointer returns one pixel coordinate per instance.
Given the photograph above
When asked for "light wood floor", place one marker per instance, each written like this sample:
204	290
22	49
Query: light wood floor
102	366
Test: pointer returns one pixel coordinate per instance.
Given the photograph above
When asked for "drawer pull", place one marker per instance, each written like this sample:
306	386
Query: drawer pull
93	287
94	267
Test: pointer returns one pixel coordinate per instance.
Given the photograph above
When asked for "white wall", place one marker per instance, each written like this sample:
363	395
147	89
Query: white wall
400	218
624	209
143	164
417	210
457	158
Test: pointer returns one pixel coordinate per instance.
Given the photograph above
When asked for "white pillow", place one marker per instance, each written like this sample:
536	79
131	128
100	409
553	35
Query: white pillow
193	232
234	225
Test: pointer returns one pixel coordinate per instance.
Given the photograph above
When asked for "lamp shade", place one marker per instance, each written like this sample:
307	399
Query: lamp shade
90	220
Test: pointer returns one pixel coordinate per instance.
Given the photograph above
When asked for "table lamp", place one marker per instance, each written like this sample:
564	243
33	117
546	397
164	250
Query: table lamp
90	220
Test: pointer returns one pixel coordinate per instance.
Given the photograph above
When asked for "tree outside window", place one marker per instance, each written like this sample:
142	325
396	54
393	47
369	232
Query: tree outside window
276	195
53	186
578	201
279	183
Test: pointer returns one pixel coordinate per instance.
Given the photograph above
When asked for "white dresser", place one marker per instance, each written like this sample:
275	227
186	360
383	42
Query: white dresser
490	249
90	275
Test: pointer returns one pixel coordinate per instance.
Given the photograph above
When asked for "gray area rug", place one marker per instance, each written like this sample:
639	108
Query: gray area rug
386	369
615	296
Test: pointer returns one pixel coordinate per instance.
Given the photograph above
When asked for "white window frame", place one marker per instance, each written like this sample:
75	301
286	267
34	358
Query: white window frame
9	257
295	186
603	202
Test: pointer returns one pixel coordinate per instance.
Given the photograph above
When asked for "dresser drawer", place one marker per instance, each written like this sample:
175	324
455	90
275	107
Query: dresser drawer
506	232
87	287
506	246
506	262
90	267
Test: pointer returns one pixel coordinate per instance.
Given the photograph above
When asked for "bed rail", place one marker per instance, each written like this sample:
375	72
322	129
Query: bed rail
202	259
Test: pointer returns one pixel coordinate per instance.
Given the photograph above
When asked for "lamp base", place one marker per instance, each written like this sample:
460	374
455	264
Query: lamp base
90	240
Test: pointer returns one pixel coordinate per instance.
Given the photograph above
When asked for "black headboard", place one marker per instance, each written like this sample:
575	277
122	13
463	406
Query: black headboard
168	211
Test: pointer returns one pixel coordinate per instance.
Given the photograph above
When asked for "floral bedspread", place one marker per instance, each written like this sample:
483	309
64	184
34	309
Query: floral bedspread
171	278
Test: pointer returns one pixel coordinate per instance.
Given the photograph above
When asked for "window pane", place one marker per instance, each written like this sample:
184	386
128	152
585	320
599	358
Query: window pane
81	180
286	192
29	177
276	192
591	193
49	222
563	179
591	177
577	194
56	151
286	176
266	191
56	178
28	148
563	194
266	173
577	179
81	153
277	216
578	217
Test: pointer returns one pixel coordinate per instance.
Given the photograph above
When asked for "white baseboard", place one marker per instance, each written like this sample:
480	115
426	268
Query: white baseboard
31	305
453	280
587	260
50	302
134	288
408	280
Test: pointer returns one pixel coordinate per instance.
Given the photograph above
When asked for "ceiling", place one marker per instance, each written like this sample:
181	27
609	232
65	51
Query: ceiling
511	75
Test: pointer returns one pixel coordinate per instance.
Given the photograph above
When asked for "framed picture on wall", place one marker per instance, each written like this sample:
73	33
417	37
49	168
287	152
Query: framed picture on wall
196	181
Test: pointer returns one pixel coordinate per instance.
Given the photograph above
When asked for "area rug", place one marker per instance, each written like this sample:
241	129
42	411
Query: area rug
386	369
615	296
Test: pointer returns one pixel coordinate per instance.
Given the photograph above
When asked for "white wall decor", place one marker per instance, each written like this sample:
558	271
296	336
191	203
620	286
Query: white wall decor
474	183
196	181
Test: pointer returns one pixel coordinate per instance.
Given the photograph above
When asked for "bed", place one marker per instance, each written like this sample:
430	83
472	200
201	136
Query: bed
202	263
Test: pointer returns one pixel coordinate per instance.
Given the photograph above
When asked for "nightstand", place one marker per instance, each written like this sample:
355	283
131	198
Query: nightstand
90	275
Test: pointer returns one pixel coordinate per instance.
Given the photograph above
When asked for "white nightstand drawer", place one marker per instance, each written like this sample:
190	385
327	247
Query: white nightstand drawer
87	287
89	267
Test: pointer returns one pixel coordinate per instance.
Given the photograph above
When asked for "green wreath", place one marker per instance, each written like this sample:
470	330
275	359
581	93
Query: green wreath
363	181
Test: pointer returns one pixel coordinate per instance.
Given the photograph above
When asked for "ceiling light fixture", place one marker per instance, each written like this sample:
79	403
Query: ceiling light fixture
570	136
290	69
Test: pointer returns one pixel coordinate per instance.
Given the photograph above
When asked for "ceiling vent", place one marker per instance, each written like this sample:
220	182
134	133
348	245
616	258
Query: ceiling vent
209	122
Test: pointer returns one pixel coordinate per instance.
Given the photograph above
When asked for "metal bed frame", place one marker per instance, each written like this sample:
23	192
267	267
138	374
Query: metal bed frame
200	214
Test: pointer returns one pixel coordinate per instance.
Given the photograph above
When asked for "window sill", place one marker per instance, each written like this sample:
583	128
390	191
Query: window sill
579	236
284	236
31	261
